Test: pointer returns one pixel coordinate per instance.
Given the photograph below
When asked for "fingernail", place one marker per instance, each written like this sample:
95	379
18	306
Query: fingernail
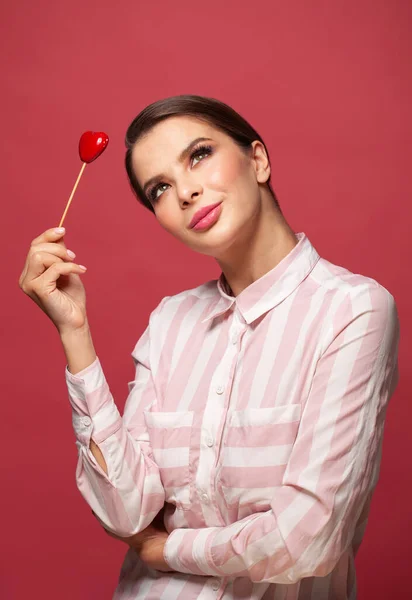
71	254
83	267
60	230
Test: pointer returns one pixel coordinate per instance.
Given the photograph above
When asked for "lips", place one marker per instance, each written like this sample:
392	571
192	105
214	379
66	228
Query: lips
198	216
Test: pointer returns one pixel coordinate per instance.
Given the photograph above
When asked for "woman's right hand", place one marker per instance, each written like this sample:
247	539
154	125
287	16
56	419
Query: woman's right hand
52	280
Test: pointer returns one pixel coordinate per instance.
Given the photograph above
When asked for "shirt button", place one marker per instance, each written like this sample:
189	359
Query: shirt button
210	441
205	498
219	389
235	338
215	584
86	421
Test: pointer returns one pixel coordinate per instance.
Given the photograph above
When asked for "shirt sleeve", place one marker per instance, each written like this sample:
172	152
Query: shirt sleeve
127	499
333	467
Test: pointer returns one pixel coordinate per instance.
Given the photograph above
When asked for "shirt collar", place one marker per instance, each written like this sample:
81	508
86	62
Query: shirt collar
272	288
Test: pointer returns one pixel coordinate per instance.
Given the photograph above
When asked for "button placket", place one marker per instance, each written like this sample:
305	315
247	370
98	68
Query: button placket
204	498
238	328
215	406
210	441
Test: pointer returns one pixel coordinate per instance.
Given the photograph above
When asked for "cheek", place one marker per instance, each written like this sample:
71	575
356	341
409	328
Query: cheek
223	173
168	219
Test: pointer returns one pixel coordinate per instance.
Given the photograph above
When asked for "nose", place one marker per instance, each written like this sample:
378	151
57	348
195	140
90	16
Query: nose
188	191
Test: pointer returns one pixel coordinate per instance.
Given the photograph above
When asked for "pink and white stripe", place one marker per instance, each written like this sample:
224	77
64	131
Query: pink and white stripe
258	422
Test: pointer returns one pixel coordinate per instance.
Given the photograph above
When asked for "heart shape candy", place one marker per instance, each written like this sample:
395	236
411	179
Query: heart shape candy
92	144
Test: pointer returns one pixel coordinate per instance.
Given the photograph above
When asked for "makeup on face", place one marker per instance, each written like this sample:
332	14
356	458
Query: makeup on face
206	217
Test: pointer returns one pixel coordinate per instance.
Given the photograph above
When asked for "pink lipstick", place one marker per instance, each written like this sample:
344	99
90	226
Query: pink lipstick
206	216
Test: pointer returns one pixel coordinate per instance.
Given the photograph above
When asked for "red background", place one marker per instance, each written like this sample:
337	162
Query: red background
327	84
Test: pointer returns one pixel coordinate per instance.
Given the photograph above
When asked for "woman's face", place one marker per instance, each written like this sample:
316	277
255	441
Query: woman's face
221	173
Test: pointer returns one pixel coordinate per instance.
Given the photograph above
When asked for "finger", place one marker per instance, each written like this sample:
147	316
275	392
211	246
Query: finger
50	235
52	248
45	284
50	276
38	263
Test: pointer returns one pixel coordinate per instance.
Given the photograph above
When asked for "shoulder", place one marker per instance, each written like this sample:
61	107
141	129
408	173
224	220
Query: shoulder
343	283
173	309
355	300
198	298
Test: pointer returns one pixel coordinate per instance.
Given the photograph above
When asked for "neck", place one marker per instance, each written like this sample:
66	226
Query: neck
268	240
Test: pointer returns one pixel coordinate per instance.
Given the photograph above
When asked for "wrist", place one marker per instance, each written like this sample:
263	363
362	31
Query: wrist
67	334
78	348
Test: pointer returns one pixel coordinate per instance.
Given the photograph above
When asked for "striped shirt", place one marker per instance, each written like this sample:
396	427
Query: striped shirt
257	422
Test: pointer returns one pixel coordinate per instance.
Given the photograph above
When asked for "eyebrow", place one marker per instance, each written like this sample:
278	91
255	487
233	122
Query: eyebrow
183	155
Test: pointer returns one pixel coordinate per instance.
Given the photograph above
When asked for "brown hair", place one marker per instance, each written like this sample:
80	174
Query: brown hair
210	110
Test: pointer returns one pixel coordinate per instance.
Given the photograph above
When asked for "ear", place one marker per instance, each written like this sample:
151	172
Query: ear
260	161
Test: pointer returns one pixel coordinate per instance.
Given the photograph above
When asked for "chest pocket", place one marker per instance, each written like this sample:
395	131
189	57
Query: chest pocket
170	435
256	449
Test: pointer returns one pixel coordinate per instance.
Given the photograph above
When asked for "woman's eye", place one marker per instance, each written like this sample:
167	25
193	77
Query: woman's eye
202	151
153	193
198	155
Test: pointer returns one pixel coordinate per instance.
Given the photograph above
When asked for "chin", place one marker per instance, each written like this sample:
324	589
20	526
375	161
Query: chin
215	242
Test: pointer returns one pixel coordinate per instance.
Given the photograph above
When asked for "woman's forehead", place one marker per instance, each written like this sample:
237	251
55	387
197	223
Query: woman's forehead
167	139
175	129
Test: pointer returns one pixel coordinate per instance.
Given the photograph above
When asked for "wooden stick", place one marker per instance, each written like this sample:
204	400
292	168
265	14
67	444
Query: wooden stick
72	194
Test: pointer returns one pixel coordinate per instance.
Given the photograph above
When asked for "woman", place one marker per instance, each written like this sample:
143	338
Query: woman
249	448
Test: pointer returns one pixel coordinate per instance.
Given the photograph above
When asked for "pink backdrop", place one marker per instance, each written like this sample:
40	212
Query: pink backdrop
327	84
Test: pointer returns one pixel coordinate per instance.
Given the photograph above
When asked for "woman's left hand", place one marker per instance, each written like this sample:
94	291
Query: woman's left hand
149	545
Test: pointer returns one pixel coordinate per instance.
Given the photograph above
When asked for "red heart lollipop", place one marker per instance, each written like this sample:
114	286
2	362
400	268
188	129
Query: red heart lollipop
92	144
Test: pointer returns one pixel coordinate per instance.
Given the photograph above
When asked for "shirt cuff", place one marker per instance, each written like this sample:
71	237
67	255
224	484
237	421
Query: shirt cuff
188	551
94	413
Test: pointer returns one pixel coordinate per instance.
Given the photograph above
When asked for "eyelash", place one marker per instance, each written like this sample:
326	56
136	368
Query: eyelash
198	150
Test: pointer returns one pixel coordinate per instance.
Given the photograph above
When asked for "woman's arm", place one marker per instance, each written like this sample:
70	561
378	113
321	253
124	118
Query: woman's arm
332	469
116	473
118	479
80	353
79	349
